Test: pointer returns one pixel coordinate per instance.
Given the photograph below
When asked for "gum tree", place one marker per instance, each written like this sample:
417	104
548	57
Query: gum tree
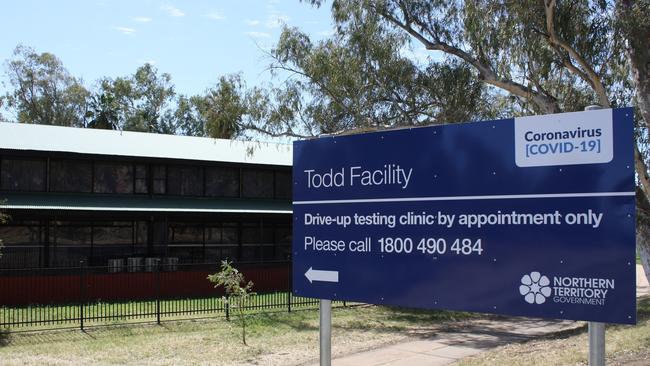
44	92
547	56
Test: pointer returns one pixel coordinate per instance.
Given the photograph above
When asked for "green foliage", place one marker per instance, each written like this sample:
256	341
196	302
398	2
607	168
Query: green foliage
237	290
224	106
140	102
359	79
189	116
44	92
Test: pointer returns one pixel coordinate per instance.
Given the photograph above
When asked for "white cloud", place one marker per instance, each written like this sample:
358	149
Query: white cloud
275	20
215	15
142	19
252	23
258	34
173	11
125	30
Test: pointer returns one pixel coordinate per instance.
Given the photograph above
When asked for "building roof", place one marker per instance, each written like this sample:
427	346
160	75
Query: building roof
134	203
32	137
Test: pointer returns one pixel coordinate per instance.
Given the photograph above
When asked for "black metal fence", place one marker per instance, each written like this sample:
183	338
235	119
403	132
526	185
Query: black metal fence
88	296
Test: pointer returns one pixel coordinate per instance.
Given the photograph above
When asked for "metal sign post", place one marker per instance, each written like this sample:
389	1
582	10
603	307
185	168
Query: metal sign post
596	329
325	332
596	344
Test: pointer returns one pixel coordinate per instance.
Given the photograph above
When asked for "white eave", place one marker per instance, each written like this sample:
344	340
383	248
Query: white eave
20	136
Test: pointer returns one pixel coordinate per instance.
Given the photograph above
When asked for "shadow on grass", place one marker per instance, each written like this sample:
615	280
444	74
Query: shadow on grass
419	324
5	336
96	333
300	320
413	322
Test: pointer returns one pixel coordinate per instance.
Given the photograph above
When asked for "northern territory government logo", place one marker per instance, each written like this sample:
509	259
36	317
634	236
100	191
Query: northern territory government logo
536	288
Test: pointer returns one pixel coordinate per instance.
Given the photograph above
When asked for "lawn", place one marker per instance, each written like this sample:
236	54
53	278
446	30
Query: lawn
625	345
274	339
101	313
292	339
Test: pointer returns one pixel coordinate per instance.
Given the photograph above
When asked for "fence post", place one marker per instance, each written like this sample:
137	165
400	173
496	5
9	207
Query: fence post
289	290
82	296
158	291
227	307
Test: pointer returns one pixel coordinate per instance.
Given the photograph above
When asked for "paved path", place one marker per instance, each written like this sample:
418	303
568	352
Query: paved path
451	345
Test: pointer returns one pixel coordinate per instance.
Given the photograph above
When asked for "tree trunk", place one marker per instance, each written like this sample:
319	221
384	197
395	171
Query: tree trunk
643	247
643	230
637	32
638	52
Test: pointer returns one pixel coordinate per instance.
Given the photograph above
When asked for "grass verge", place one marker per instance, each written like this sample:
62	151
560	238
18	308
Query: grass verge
274	339
625	345
102	313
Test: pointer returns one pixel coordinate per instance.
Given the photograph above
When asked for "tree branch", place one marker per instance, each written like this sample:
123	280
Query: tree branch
545	103
288	133
588	75
281	66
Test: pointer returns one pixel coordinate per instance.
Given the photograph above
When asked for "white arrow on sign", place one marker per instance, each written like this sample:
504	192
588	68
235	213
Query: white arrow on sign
323	276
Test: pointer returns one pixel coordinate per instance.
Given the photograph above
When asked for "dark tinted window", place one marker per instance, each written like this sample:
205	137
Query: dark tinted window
23	234
112	240
257	242
221	182
220	243
230	234
257	183
111	233
22	174
113	178
283	184
186	242
70	176
23	245
185	233
185	180
141	179
71	244
159	179
250	233
283	242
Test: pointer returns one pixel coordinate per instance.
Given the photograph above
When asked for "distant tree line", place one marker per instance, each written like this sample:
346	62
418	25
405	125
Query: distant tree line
41	90
343	83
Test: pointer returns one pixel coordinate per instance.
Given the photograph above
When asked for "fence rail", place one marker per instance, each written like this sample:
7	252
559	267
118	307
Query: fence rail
89	296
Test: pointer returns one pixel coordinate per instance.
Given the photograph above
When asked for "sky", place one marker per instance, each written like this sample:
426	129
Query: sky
195	41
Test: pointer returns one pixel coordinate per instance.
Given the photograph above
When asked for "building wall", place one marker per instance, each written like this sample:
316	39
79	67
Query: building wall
47	238
105	175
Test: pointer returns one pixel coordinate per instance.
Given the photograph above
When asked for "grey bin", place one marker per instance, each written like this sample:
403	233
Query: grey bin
134	264
115	265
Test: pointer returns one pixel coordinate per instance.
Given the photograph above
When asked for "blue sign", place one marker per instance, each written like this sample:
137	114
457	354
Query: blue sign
531	216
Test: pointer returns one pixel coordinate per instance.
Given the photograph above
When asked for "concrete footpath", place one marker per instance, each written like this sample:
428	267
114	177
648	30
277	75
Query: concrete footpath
451	345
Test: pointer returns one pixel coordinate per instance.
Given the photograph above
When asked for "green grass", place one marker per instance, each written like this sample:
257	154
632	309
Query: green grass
274	339
624	345
99	313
